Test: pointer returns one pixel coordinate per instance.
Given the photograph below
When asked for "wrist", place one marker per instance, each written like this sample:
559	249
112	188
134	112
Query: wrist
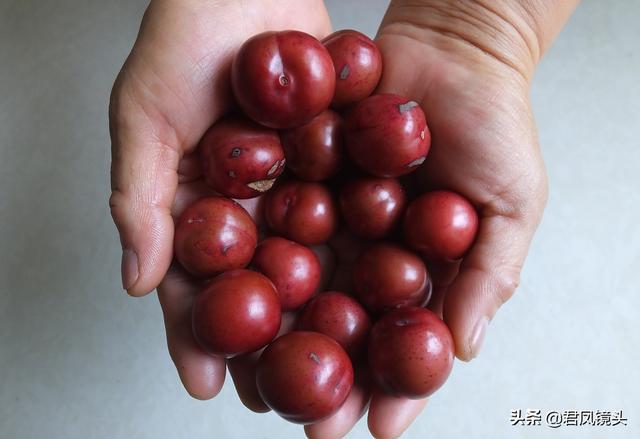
510	35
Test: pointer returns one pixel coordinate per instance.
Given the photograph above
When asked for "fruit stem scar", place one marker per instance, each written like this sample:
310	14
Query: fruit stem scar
284	80
407	106
235	152
314	357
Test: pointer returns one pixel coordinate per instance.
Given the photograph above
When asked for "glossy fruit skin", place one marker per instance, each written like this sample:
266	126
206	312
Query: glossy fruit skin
283	79
293	268
241	159
213	235
236	313
314	151
411	352
441	225
358	64
372	207
388	276
301	211
387	135
340	317
304	376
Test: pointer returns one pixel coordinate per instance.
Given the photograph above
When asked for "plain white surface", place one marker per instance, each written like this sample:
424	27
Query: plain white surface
80	359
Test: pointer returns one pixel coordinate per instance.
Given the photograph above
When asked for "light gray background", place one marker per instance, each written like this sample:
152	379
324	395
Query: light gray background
80	359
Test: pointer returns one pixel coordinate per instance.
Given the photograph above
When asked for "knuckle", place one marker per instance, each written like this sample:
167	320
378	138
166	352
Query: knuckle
118	207
506	282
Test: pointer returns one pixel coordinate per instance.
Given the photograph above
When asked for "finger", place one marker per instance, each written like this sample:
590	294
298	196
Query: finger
243	371
390	416
201	374
341	422
442	275
488	277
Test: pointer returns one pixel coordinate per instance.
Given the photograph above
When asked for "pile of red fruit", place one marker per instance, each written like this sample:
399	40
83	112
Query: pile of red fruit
321	171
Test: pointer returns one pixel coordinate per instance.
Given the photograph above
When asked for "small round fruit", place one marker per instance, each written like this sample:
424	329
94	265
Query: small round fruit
387	135
358	65
236	313
283	79
372	207
340	317
213	235
387	276
301	211
314	151
441	225
411	352
240	158
304	376
293	268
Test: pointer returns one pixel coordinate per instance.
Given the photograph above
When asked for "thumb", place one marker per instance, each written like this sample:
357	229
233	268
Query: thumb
144	179
488	277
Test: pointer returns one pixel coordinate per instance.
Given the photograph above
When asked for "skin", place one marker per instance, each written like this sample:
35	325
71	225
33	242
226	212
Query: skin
175	84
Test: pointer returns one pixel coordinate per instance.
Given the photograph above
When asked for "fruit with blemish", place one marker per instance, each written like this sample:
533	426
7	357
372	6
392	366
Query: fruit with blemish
241	159
213	235
304	376
387	135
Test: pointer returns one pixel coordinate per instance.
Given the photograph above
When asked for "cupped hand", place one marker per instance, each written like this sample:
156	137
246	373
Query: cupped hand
484	146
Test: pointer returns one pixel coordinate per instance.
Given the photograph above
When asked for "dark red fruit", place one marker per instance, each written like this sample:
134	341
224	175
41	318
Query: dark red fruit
283	79
441	225
387	135
314	151
372	207
214	235
240	158
340	317
293	268
301	211
358	64
304	376
387	276
411	352
236	313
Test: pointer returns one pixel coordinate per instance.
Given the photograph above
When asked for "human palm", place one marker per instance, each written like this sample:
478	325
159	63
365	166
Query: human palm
175	84
484	146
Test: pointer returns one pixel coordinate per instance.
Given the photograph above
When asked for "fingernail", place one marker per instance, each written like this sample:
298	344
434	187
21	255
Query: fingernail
477	336
129	268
